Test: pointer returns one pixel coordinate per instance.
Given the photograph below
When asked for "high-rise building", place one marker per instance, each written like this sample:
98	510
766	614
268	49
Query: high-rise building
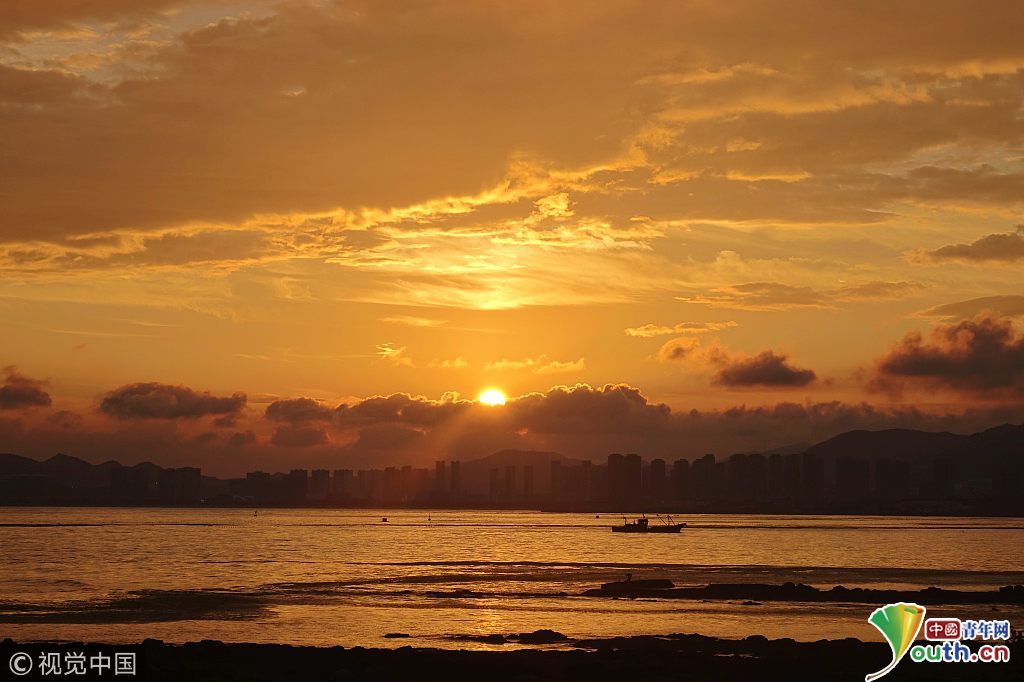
494	485
681	480
319	485
528	482
179	486
812	477
456	480
342	485
657	481
131	484
511	490
632	472
440	478
853	480
297	486
703	474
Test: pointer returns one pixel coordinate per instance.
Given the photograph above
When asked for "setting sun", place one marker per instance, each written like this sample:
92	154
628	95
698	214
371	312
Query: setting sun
492	396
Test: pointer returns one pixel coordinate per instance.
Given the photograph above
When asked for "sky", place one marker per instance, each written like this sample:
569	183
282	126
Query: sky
250	234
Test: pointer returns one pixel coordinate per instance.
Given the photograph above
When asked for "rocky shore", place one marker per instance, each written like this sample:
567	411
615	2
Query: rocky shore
670	657
790	592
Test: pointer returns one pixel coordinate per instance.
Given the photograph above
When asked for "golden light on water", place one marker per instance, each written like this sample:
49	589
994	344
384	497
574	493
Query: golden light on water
492	396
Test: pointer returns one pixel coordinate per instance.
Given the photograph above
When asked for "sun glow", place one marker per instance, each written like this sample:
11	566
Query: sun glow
492	396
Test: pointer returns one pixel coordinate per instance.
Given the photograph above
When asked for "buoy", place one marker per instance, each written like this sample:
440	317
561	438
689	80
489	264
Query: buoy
384	520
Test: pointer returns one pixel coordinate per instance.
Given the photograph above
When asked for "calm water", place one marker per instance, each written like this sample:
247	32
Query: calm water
330	577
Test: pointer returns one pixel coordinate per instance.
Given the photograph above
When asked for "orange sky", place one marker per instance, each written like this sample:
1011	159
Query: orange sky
799	217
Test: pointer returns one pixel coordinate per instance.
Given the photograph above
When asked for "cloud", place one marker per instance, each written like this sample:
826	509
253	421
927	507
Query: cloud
588	421
983	355
579	421
412	321
876	291
19	391
17	17
164	401
289	436
394	355
761	296
298	410
65	419
240	439
1005	247
764	369
586	86
772	296
648	330
731	370
1011	305
538	365
678	349
450	363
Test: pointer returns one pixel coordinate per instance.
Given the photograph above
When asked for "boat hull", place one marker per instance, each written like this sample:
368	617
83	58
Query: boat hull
632	528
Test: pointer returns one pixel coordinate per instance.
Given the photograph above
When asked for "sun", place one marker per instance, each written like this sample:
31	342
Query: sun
492	396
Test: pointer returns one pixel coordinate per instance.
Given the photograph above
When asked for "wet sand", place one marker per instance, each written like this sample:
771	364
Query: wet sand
669	657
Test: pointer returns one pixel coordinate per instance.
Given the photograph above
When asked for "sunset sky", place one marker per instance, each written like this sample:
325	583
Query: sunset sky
250	234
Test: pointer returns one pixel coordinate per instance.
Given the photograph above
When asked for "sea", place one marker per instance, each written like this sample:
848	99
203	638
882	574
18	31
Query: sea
348	577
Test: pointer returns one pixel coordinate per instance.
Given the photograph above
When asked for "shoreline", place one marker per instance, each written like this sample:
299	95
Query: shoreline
709	510
639	658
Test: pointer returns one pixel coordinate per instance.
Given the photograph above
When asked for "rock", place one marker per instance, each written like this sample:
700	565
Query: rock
541	637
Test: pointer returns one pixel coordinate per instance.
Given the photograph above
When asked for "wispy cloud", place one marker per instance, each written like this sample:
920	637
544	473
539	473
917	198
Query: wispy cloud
538	365
647	330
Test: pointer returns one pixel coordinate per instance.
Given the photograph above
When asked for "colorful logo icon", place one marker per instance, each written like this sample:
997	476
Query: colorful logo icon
899	624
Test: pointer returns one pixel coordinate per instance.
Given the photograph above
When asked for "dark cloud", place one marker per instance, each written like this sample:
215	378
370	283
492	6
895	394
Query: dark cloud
579	421
227	421
163	401
240	439
65	419
298	410
764	369
19	391
289	436
983	355
590	422
1005	247
206	437
395	408
678	349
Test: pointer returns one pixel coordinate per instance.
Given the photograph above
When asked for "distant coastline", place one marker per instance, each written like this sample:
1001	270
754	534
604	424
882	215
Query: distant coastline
890	472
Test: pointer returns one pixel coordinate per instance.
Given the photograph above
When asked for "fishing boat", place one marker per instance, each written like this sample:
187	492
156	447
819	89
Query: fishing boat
643	525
